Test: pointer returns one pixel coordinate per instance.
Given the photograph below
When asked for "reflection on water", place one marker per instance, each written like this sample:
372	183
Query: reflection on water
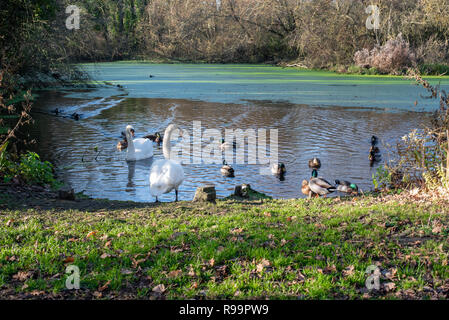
338	136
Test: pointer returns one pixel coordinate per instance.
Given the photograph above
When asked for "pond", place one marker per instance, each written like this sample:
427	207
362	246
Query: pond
316	114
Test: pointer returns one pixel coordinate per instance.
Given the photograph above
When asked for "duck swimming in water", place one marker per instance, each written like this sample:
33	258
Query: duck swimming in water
315	163
227	170
279	170
123	144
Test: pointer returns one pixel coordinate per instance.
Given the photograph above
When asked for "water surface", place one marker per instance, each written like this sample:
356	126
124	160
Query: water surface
317	114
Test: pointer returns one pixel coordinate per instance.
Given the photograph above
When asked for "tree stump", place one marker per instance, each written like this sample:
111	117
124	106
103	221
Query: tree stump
205	193
66	194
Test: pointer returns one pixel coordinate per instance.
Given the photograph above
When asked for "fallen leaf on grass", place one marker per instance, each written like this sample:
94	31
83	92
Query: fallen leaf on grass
9	222
237	230
212	262
191	272
108	244
37	293
349	271
267	214
137	262
174	273
22	275
160	288
330	269
91	234
105	255
69	260
121	234
437	227
264	263
389	286
105	286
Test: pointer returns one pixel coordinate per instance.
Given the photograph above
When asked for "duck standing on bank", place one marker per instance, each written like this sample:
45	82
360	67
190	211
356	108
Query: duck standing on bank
346	187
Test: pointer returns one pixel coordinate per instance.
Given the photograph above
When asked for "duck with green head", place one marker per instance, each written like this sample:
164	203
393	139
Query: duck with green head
346	186
317	185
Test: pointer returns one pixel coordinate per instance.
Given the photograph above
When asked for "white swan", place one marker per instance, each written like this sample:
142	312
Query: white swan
166	174
139	148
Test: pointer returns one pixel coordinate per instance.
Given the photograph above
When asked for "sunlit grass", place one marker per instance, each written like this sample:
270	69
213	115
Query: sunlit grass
276	249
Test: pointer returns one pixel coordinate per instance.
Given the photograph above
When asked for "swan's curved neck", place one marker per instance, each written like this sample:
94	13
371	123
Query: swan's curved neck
129	139
166	145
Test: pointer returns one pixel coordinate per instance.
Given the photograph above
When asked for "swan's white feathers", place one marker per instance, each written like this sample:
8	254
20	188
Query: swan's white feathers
165	176
139	148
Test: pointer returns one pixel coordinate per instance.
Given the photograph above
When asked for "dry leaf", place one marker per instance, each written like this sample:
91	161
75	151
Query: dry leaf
267	214
389	286
160	288
191	272
121	234
105	286
237	230
91	234
69	260
349	271
22	275
174	273
264	263
212	262
105	255
108	244
9	222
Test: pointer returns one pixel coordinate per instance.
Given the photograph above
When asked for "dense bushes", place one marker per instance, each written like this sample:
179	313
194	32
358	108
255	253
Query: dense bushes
29	169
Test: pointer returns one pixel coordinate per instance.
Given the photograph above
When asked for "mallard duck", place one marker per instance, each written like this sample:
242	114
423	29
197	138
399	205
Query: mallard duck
227	145
123	144
155	138
346	186
314	163
227	170
321	186
374	140
278	169
374	149
75	116
305	189
374	157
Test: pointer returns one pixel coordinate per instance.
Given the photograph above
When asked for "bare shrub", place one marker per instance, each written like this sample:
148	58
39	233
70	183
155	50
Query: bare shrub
393	57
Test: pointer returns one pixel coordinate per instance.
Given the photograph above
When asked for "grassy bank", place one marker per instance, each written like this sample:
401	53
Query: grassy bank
317	249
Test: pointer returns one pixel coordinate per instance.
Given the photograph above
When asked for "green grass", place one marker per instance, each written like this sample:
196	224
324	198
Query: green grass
289	249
